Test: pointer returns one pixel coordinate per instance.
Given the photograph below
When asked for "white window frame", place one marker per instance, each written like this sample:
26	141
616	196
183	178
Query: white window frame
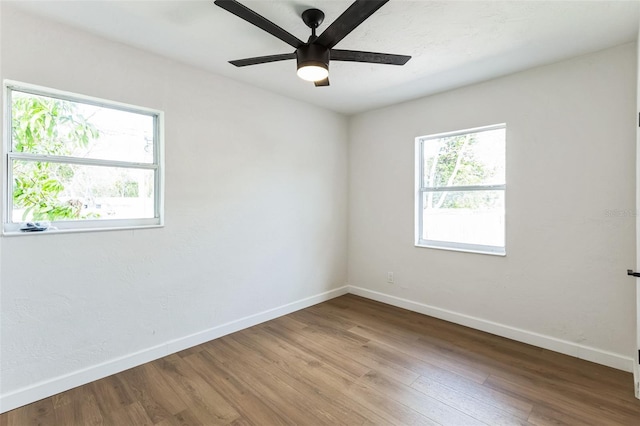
421	190
10	228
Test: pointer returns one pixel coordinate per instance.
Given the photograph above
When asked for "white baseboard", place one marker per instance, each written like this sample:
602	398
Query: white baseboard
44	389
588	353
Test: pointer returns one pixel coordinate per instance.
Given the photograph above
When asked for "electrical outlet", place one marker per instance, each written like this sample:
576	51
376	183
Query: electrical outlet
390	277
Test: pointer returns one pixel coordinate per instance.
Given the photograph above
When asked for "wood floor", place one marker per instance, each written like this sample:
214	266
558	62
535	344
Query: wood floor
350	361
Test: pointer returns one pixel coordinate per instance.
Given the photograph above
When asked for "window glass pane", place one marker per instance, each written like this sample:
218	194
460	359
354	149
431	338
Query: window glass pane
58	191
470	217
50	126
469	159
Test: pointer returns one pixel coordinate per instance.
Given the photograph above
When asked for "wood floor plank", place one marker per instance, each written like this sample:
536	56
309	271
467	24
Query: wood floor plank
187	418
392	411
272	386
601	376
82	408
113	396
299	374
462	401
153	400
566	389
269	390
310	317
350	361
327	380
137	414
575	407
518	407
429	407
465	342
38	413
118	416
203	401
153	392
363	353
357	350
67	407
430	355
326	354
543	415
499	361
240	395
391	326
493	357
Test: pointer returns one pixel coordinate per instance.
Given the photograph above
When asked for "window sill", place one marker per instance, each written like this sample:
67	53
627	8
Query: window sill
492	251
16	233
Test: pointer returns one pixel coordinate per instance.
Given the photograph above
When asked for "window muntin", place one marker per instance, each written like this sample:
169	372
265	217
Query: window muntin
461	186
80	163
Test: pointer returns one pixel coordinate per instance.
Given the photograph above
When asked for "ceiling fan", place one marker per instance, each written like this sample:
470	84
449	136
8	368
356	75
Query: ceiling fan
313	56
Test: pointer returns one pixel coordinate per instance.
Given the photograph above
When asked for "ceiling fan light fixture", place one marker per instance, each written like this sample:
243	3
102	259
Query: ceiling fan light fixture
313	72
313	62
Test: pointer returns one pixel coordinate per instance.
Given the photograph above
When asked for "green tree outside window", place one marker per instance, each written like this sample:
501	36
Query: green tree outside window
46	126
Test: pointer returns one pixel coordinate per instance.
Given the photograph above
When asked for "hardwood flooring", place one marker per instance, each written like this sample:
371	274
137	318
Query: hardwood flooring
350	361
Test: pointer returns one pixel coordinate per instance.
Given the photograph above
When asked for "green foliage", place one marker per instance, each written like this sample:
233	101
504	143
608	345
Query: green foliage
455	165
46	126
130	189
120	188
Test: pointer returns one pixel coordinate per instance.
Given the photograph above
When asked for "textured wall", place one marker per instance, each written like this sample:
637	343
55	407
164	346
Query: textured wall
255	212
570	202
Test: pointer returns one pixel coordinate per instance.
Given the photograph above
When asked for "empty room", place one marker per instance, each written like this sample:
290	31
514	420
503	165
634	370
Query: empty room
319	212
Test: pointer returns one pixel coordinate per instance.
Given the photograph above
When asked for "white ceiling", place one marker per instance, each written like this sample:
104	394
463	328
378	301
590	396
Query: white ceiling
453	43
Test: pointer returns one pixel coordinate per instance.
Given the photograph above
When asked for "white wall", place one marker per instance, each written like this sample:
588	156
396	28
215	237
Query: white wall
570	163
256	213
256	217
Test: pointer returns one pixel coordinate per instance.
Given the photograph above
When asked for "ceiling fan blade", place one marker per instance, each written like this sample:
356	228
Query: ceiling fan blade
372	57
263	59
321	83
259	21
348	21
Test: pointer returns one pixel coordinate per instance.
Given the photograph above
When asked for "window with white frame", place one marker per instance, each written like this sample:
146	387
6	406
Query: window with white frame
461	185
75	163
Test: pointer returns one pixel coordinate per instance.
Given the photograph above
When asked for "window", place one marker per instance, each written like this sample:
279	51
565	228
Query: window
460	198
77	163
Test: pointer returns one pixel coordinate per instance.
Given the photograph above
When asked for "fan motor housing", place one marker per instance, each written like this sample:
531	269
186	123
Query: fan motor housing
313	54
